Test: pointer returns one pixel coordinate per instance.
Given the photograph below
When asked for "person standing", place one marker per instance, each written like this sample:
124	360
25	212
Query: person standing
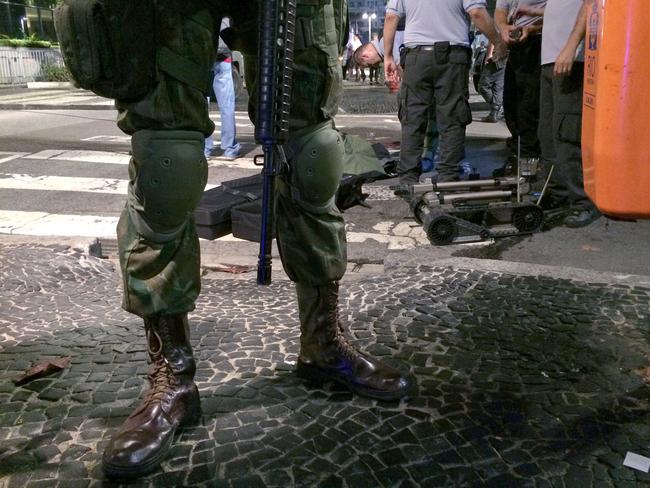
522	33
158	246
374	68
490	85
359	72
436	70
560	128
372	54
347	56
224	91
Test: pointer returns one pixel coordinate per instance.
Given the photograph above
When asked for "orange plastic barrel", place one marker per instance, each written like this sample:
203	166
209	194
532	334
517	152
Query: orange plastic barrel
616	108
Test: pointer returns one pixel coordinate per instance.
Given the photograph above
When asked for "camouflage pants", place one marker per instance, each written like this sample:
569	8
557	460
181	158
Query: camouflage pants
161	265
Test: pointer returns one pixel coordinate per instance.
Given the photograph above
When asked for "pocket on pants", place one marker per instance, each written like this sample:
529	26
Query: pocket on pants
459	56
570	128
463	112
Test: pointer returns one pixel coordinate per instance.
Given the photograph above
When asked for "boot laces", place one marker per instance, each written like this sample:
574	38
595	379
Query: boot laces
337	334
161	376
161	380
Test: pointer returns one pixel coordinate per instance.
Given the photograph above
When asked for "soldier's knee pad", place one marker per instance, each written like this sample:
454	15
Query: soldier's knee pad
170	175
316	168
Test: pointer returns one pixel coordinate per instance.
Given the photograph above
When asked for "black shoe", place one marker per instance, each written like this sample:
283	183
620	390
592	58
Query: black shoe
491	118
582	217
548	203
509	168
410	178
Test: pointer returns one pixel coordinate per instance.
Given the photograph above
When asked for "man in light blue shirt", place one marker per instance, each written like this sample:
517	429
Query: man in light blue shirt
561	108
435	62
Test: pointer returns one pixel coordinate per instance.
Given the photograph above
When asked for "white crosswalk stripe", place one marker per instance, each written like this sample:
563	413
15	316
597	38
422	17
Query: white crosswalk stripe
67	183
10	156
62	183
45	224
71	224
85	156
118	158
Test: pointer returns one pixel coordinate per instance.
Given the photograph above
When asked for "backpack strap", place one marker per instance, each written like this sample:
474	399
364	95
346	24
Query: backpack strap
183	69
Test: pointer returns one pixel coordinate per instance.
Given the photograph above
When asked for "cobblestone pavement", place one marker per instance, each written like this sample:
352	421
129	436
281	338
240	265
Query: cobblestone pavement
522	381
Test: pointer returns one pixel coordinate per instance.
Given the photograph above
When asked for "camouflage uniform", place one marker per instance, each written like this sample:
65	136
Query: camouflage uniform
159	249
160	256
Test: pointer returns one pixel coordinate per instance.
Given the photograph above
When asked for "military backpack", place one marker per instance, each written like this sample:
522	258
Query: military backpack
109	46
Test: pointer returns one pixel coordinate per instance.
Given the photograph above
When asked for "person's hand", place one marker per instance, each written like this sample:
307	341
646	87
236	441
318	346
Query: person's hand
525	32
564	61
392	74
390	69
505	33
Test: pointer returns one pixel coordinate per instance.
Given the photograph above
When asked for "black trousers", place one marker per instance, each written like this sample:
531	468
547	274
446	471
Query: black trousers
521	95
560	130
440	76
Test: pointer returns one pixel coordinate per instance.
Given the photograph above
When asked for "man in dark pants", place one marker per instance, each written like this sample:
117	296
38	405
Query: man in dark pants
436	69
522	33
561	108
158	244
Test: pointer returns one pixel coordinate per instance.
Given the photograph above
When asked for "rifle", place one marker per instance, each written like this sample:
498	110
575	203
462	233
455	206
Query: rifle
275	75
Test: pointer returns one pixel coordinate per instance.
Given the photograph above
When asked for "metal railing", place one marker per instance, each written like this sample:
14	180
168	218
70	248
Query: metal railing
23	65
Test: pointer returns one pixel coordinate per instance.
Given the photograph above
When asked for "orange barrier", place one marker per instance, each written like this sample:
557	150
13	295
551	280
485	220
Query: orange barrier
616	108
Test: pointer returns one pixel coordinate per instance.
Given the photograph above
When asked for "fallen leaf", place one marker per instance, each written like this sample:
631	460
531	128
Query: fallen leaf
231	268
589	247
43	369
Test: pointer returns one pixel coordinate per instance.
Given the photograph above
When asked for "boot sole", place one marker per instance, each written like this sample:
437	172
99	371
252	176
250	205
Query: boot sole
112	471
319	377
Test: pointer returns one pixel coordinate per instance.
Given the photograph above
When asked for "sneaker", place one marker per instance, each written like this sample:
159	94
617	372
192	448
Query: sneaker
582	217
231	158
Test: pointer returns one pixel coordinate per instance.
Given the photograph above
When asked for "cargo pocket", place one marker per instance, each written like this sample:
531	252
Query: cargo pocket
333	89
460	58
463	112
570	128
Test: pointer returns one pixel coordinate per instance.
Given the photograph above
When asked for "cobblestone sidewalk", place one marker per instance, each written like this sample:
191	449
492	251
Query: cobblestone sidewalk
522	381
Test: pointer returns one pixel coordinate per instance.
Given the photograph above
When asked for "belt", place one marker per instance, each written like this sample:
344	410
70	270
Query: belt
456	47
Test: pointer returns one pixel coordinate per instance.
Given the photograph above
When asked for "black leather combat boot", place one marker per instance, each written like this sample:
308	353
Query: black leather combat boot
325	354
171	401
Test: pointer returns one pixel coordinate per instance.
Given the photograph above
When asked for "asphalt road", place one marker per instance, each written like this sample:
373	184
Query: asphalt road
606	245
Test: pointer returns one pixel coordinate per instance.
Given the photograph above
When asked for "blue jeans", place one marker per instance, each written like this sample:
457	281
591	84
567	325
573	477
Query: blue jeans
225	93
